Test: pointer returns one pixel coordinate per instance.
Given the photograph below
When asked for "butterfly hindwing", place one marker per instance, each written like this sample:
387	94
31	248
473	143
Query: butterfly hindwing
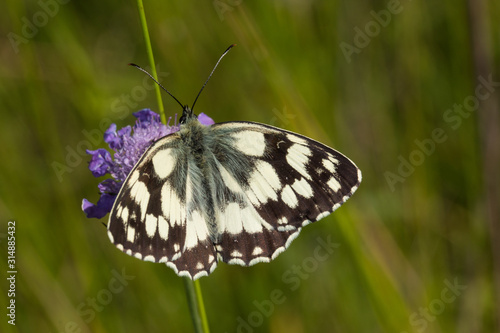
239	192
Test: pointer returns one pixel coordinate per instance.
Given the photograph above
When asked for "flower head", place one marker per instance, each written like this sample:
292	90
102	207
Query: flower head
128	145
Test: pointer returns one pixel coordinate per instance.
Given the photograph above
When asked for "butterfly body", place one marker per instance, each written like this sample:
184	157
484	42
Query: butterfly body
237	192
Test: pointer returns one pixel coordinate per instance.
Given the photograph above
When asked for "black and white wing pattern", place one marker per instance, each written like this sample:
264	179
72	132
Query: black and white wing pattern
237	192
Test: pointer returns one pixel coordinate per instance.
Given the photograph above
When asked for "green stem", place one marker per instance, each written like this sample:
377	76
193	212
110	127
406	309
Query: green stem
149	51
196	307
201	307
193	290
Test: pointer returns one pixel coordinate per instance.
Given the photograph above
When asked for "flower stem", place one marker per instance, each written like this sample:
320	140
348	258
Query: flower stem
149	51
196	307
193	290
201	307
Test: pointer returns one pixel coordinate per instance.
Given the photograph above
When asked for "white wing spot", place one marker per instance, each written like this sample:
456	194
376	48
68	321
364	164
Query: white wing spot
196	230
269	172
236	253
124	215
329	165
163	163
264	183
322	215
172	265
138	255
231	219
149	258
229	180
236	261
177	247
163	227
298	157
110	236
171	206
139	192
296	139
130	234
257	250
334	160
151	225
289	197
163	260
199	265
282	220
119	210
200	274
210	258
250	143
286	228
258	260
235	219
252	222
134	176
334	184
303	188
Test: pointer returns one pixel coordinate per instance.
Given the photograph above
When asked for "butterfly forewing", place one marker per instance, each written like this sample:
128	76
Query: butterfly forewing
292	181
150	219
239	192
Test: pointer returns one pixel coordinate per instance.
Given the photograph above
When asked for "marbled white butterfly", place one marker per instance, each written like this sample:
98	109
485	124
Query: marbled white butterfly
237	192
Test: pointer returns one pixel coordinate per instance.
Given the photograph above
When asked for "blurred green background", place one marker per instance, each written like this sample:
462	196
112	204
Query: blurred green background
394	85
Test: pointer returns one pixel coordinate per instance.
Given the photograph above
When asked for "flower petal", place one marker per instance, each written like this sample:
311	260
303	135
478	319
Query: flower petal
145	117
100	163
205	120
112	139
109	186
103	206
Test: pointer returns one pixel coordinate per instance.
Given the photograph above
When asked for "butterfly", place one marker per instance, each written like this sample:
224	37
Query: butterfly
237	192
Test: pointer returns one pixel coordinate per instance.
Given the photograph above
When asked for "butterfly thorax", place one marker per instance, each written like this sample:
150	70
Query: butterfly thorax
198	143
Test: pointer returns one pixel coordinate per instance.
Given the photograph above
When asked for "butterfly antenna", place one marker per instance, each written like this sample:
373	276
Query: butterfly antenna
158	83
213	70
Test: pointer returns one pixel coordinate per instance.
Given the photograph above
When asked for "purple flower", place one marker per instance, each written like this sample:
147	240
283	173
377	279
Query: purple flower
128	147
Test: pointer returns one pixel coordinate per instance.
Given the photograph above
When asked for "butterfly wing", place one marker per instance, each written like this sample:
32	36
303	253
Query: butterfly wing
238	192
272	183
156	215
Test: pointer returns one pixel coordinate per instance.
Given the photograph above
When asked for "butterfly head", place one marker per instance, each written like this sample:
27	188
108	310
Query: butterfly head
187	114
